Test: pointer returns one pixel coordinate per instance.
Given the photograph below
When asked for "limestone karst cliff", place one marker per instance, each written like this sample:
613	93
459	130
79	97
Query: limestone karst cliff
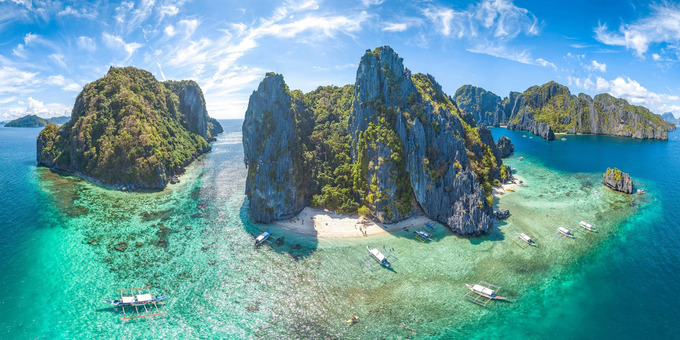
129	131
551	108
395	145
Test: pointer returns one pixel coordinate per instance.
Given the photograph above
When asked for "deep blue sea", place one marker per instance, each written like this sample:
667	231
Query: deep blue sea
57	260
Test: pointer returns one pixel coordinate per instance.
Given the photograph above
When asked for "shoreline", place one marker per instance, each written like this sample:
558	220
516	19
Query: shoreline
326	224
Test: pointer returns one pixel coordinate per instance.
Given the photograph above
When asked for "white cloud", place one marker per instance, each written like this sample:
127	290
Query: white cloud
15	81
488	27
395	27
656	57
130	15
36	107
635	93
78	13
170	30
58	59
582	83
86	43
502	51
661	26
368	3
602	67
115	42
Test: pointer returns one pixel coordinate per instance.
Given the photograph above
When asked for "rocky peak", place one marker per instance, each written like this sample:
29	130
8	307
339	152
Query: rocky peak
269	145
618	180
191	105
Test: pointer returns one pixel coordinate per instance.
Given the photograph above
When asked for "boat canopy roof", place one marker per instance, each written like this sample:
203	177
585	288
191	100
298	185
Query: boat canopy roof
378	255
482	289
127	299
144	297
563	229
525	236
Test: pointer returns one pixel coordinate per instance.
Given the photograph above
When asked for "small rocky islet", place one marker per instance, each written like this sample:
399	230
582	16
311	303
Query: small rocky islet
130	131
618	180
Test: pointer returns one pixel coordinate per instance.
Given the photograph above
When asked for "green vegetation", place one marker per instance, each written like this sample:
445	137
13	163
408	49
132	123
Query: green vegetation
126	128
28	121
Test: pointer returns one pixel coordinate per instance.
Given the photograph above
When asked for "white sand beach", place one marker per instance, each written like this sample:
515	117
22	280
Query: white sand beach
325	224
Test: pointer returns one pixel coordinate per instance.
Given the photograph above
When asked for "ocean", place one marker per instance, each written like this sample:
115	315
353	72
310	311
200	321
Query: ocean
193	241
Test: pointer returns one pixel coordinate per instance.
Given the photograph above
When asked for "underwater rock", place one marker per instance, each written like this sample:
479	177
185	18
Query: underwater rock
502	214
121	246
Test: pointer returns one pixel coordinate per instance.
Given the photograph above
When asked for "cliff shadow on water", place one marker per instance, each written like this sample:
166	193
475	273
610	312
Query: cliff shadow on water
281	241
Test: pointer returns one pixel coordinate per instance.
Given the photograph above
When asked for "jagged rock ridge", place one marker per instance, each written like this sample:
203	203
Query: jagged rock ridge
410	149
618	180
130	131
549	108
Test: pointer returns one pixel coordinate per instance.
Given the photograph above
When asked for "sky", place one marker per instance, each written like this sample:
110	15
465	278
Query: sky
49	50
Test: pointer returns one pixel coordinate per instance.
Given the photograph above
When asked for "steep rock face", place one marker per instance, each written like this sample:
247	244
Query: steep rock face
669	117
191	105
433	137
525	121
269	145
404	147
126	130
381	90
505	146
551	107
618	180
485	104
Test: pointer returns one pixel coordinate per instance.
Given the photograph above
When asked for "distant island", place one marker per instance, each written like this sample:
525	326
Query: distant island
35	121
550	108
130	131
669	117
389	146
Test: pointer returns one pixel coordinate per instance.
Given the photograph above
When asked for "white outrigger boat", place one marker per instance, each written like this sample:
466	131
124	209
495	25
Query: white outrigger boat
262	238
565	231
587	226
378	256
524	237
482	292
138	300
423	236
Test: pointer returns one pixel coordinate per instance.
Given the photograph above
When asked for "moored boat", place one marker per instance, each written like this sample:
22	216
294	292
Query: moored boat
137	300
378	256
524	237
565	231
587	226
484	291
423	235
262	238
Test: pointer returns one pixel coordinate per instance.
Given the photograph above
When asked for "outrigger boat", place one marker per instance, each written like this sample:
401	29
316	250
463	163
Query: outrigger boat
587	226
262	238
524	237
482	292
423	236
564	231
136	301
378	256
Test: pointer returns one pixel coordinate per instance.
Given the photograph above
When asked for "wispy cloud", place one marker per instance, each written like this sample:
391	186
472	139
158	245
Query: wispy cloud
661	26
489	27
86	43
58	59
115	42
594	65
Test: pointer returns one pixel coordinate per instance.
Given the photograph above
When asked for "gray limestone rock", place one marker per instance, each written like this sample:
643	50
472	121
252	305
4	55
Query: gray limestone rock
618	180
505	146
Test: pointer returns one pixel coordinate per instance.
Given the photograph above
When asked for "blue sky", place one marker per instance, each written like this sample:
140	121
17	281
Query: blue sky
50	49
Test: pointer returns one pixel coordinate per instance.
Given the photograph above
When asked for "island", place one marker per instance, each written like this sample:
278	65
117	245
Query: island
390	146
35	121
129	131
551	108
617	180
669	117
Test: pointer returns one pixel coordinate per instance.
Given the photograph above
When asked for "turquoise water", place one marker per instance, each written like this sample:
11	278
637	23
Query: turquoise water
59	262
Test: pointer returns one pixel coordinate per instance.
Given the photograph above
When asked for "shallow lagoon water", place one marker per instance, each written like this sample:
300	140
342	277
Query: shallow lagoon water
61	262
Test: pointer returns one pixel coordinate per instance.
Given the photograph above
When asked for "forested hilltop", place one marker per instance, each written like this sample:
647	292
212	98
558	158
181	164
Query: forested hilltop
35	121
389	146
551	108
130	131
